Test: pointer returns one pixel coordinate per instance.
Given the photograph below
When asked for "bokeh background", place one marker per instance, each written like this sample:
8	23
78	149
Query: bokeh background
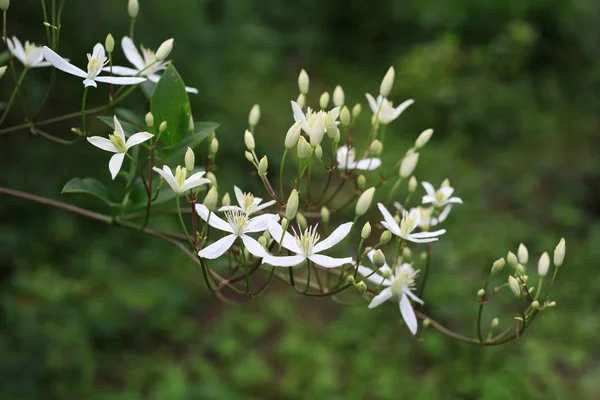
510	87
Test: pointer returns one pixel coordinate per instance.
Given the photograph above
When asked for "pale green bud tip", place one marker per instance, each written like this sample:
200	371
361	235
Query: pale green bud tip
480	294
4	4
423	138
514	285
364	201
318	151
535	305
325	214
263	165
293	134
332	129
543	264
133	8
495	323
149	120
406	254
301	100
522	254
249	140
249	156
362	287
386	236
304	148
226	200
163	126
191	125
164	50
338	96
190	159
424	256
284	222
345	116
559	253
303	82
378	258
212	178
412	184
291	207
512	259
350	278
2	71
210	201
356	110
408	165
214	146
387	273
361	181
520	268
376	148
301	221
262	241
445	183
324	100
387	82
498	265
426	323
109	43
366	231
254	115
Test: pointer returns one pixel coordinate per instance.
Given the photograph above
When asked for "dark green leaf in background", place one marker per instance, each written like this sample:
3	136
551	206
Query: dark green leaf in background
89	186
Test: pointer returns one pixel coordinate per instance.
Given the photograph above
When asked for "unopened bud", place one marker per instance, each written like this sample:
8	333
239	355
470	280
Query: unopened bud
318	151
522	254
366	231
254	115
495	323
324	100
263	165
226	200
385	237
249	140
284	222
424	256
2	71
535	305
325	214
550	304
364	201
543	264
387	82
378	258
293	134
164	50
4	4
301	100
376	148
162	127
109	43
362	287
345	117
249	156
412	184
262	241
480	294
301	221
304	148
303	82
331	126
406	254
338	96
520	269
361	181
514	285
212	178
214	146
351	279
426	323
512	259
133	8
190	159
356	111
559	253
408	165
445	183
210	201
291	208
149	120
191	126
498	265
423	138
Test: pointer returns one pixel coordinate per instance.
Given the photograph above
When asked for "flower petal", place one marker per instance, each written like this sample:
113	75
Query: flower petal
192	182
214	220
372	103
264	205
122	71
261	223
423	235
408	314
336	236
368	164
61	63
429	189
284	261
98	51
427	199
341	156
153	78
168	176
239	196
444	214
16	48
456	200
102	143
410	238
131	53
391	223
115	163
121	80
382	297
254	247
276	230
329	262
191	90
119	130
447	191
373	277
89	82
400	109
218	248
300	116
137	138
410	294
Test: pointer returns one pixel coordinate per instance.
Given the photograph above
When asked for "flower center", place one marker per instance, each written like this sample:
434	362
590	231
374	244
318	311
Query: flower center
237	220
117	141
307	240
151	66
439	196
248	206
180	175
95	65
403	278
408	224
32	53
351	156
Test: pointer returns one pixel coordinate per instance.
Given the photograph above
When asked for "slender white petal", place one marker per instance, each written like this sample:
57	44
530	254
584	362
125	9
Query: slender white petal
137	138
456	200
61	63
254	247
417	240
168	176
372	103
191	90
400	109
16	48
300	116
115	163
342	157
288	240
98	51
102	143
119	129
284	261
193	182
368	164
428	199
123	71
329	262
375	278
382	297
424	235
444	214
390	222
131	53
447	191
264	205
230	208
261	223
410	294
153	78
239	195
119	80
89	82
336	236
408	314
335	112
214	220
428	188
42	64
218	248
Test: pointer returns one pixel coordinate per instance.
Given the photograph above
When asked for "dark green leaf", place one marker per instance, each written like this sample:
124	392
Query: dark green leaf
89	186
127	127
202	130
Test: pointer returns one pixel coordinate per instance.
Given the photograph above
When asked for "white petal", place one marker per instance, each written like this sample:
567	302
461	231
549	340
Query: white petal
168	176
336	236
123	71
214	220
410	294
329	262
375	278
382	297
447	191
239	195
42	64
285	261
417	240
61	63
254	247
428	199
444	214
154	78
102	143
368	164
423	235
288	240
131	53
98	52
115	163
217	249
456	200
119	130
408	314
341	157
390	222
16	48
191	90
89	82
121	80
261	223
265	205
137	138
372	103
400	109
300	116
429	189
192	182
230	208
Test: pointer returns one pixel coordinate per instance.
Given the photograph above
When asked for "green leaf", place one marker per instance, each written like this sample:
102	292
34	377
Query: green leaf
89	186
170	103
127	127
202	130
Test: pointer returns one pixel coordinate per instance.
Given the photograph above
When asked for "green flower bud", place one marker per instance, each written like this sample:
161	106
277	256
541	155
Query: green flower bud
249	140
423	138
211	199
214	146
361	181
497	266
212	178
445	183
523	254
345	117
535	305
514	285
2	69
324	100
249	156
350	279
303	82
4	4
164	50
512	259
325	214
133	8
424	256
412	184
366	231
409	162
301	221
293	134
304	148
356	111
254	115
332	129
263	241
162	127
426	323
263	165
406	254
338	96
543	264
190	159
291	208
559	253
362	287
387	82
386	236
318	151
480	294
149	120
364	201
520	269
378	258
226	200
301	100
109	43
495	323
376	148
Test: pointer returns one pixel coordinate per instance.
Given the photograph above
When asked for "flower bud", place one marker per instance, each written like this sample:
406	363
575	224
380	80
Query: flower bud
304	148
550	304
291	208
412	184
362	287
4	4
262	241
512	259
301	221
345	117
361	181
149	120
364	201
318	151
226	201
210	201
324	100
424	256
385	237
495	323
190	159
332	129
249	156
514	285
376	148
338	96
303	82
408	165
109	43
366	231
498	265
356	111
543	264
386	274
423	138
291	138
133	8
535	305
162	127
397	219
254	115
2	70
191	124
520	269
351	279
164	50
249	140
387	82
559	253
480	294
284	222
406	254
325	214
378	258
263	165
212	178
522	254
301	100
214	146
317	129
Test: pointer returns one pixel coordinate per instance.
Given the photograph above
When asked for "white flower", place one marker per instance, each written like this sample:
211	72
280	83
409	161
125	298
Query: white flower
30	56
346	161
306	245
410	221
439	198
178	182
387	112
427	218
247	203
117	144
398	286
313	123
148	66
96	61
238	225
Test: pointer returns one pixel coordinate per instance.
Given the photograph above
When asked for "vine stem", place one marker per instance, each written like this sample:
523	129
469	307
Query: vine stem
13	95
281	174
83	102
181	220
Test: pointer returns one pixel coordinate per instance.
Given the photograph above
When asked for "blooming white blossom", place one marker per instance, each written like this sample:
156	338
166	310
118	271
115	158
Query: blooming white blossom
146	64
178	181
384	108
238	225
410	221
440	197
313	123
30	56
346	160
116	143
96	61
247	203
398	286
307	245
427	218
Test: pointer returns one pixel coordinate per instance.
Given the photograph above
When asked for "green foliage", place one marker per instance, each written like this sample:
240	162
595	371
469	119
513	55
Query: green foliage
90	186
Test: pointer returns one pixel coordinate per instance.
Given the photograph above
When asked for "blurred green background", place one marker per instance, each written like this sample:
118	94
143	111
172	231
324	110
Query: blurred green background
510	87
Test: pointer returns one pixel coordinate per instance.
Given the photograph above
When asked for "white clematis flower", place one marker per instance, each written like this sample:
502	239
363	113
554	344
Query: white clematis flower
247	202
306	245
30	56
178	182
117	144
410	221
398	287
96	61
238	225
439	198
387	112
427	218
147	65
313	123
346	159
